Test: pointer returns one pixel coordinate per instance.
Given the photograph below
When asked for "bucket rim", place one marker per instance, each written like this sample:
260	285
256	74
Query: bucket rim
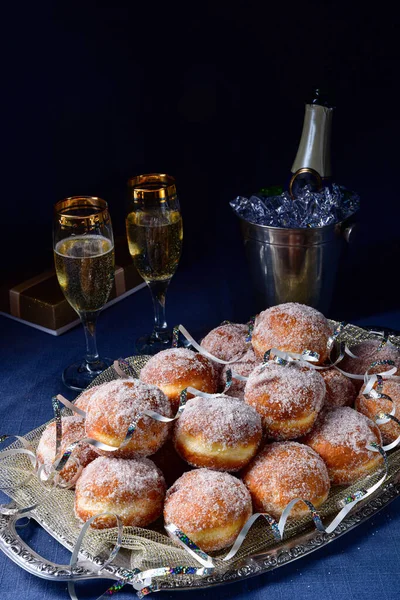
299	229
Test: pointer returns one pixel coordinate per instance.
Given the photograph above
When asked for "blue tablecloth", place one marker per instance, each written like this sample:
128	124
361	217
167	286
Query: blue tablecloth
363	564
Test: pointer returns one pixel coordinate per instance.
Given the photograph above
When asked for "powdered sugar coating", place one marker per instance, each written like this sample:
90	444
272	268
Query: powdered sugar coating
340	390
283	394
132	489
116	404
73	429
291	327
120	479
174	364
340	437
220	420
344	426
372	406
227	341
83	399
203	500
178	368
244	366
284	471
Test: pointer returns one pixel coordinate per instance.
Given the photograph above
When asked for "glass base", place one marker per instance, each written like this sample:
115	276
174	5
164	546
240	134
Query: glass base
150	344
79	375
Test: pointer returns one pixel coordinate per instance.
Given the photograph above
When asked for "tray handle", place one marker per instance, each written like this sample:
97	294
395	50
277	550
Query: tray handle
25	557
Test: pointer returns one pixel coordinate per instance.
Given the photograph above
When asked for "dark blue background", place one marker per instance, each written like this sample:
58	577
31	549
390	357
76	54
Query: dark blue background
212	93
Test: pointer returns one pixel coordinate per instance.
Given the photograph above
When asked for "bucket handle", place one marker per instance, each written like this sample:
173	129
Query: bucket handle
349	232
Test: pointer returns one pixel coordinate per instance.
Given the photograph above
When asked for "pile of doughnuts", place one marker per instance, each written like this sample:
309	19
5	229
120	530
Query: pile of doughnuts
282	431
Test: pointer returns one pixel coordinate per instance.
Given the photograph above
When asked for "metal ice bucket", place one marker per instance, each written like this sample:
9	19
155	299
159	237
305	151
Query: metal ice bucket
295	265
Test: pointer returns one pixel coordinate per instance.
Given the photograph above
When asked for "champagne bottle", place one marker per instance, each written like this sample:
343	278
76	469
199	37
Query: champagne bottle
312	165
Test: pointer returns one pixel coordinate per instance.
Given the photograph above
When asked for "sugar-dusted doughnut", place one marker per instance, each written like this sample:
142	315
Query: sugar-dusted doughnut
288	398
117	404
367	353
175	369
220	433
73	429
291	327
132	489
370	407
282	472
227	341
340	390
244	366
340	437
209	506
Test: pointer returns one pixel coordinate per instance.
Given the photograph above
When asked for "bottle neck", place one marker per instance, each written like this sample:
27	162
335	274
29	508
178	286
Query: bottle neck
314	151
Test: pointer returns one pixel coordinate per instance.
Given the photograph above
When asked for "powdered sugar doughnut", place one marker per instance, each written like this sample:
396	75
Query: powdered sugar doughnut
73	429
370	407
340	390
117	404
291	327
132	489
288	398
221	433
340	437
244	366
227	341
367	352
284	471
209	506
175	369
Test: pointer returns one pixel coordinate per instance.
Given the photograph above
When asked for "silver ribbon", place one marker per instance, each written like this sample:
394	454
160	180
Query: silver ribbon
205	352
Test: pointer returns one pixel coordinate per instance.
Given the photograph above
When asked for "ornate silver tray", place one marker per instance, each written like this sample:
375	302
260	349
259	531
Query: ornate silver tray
281	553
18	551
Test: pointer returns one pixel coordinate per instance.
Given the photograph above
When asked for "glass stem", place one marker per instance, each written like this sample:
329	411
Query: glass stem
158	290
89	321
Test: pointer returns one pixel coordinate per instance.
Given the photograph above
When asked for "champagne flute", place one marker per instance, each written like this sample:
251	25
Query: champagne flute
154	230
83	246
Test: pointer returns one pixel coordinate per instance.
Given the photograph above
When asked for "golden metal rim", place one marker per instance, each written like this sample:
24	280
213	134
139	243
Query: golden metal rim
152	185
96	217
82	202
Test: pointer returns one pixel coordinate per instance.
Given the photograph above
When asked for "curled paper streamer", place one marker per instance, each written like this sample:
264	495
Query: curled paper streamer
335	335
70	405
250	324
284	358
190	547
203	351
381	417
74	563
117	366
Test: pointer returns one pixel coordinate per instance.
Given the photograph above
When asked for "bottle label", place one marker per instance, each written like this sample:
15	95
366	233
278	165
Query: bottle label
314	148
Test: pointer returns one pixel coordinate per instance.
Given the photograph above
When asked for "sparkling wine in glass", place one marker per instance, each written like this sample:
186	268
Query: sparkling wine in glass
155	232
84	259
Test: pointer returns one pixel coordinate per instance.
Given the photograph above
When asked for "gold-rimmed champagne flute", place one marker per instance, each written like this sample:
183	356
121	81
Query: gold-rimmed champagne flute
83	246
155	232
